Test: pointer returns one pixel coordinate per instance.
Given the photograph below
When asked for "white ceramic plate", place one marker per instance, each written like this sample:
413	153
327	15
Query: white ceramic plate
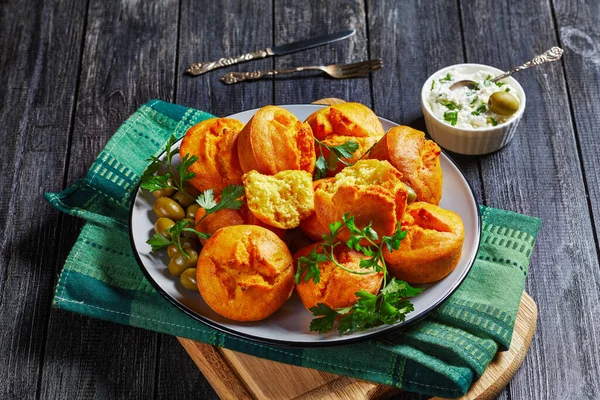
289	325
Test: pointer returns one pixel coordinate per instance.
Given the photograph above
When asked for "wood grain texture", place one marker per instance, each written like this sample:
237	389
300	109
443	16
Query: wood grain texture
128	59
578	24
539	174
200	41
218	29
40	44
297	20
237	375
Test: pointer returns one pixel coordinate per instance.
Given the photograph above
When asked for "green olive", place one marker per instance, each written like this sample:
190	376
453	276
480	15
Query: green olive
503	103
172	250
192	191
191	225
192	210
168	192
178	264
188	279
190	243
166	207
412	196
183	199
162	225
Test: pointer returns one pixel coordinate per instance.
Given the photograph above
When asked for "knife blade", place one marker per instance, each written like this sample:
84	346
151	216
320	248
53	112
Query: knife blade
203	67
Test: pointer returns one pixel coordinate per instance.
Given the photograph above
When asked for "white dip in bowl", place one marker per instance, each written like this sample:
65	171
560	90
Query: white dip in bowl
459	120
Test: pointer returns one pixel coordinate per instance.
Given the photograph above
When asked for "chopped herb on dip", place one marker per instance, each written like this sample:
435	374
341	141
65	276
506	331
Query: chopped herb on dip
466	107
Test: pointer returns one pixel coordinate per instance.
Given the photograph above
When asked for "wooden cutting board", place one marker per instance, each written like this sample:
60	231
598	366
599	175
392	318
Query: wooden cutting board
236	375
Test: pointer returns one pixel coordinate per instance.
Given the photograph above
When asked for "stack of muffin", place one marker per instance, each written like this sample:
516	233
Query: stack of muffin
245	271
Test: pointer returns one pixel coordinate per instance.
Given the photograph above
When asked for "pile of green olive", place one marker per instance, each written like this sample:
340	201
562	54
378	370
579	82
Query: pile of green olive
171	206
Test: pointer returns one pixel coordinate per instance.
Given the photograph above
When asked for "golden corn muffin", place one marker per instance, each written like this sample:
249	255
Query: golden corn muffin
340	123
275	140
336	287
432	246
214	142
417	158
281	200
245	272
228	217
370	191
310	225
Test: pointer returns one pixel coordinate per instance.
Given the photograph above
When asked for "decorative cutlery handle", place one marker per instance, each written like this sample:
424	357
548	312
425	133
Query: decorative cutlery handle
235	77
202	67
554	54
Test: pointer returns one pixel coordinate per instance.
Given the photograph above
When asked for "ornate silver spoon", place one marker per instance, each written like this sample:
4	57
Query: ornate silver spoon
553	54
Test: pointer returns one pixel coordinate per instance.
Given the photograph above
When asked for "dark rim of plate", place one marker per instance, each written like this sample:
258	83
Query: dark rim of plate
345	340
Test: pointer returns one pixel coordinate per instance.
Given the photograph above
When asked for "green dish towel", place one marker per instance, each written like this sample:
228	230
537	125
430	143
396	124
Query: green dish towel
440	356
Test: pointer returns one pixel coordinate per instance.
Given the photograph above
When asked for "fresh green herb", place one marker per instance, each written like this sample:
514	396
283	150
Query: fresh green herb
487	82
432	84
474	100
481	109
451	117
492	121
230	198
447	78
389	306
499	84
450	105
507	90
152	182
337	154
474	86
326	318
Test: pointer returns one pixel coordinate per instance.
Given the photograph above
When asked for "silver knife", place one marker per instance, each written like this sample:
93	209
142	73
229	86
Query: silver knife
200	68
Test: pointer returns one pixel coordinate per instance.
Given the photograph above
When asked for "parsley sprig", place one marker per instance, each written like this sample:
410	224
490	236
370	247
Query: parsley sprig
174	177
230	198
337	154
389	306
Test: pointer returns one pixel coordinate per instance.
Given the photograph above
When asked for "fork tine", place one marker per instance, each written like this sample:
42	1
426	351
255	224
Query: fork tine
360	71
348	68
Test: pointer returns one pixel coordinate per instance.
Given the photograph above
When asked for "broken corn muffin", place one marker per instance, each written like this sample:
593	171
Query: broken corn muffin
282	200
371	191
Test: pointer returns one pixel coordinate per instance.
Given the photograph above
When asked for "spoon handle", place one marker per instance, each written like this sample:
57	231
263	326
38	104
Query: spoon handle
553	54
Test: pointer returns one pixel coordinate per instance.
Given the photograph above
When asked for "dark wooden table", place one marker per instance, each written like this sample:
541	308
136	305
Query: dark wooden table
72	71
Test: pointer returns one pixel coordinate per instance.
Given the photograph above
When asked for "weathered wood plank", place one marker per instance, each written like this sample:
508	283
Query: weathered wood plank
579	34
128	59
539	174
301	20
243	27
40	55
221	29
413	41
412	50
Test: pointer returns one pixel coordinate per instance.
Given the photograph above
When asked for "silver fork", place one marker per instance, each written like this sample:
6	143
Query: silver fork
338	71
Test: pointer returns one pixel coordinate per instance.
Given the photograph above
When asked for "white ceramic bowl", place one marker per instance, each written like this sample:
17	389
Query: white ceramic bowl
471	141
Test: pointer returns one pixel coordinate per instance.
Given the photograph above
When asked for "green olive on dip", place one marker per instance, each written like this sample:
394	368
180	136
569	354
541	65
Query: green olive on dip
503	103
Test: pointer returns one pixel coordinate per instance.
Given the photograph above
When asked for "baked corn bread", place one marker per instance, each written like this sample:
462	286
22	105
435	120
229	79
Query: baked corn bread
310	225
281	200
245	273
275	140
370	190
417	158
214	142
336	287
432	246
340	123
